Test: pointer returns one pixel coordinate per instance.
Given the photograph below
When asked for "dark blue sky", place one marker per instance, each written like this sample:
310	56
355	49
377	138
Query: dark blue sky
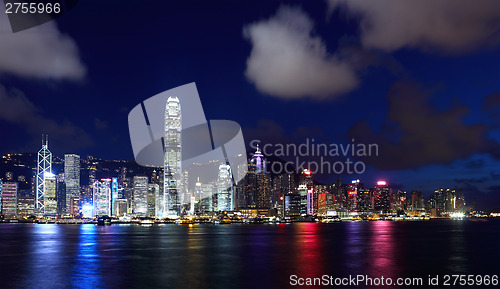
423	87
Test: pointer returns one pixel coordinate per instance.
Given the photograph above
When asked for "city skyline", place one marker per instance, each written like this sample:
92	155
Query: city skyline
289	194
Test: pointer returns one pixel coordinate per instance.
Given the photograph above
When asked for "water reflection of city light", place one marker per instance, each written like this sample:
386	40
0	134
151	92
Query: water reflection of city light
382	256
310	258
46	247
457	259
86	272
354	252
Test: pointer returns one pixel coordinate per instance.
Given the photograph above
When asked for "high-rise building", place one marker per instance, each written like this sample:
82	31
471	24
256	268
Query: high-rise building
140	196
318	190
256	185
9	199
72	179
153	194
173	157
102	197
225	189
282	185
352	196
198	195
159	201
325	203
26	206
417	201
50	195
310	201
292	206
61	195
44	165
398	203
302	191
75	207
121	207
437	202
114	194
306	192
382	195
207	204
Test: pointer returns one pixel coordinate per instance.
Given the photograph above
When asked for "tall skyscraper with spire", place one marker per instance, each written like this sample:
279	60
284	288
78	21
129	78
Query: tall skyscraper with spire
173	157
44	165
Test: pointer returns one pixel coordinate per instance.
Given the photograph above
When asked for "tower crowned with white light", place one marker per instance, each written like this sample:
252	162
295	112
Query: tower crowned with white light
173	157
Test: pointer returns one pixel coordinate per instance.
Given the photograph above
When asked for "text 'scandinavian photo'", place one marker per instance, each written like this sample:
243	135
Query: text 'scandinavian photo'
250	144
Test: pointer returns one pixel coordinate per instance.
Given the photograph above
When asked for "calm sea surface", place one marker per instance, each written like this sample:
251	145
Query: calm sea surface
242	255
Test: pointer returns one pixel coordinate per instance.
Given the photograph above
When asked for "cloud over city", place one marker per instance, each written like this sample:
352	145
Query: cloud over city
288	61
39	52
450	26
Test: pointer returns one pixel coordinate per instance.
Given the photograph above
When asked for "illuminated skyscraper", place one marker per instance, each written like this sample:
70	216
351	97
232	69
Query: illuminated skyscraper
44	165
207	204
325	203
153	193
102	197
114	194
198	195
9	199
173	153
306	192
417	201
256	185
382	195
259	161
159	201
310	198
50	195
140	196
225	189
352	196
61	194
72	179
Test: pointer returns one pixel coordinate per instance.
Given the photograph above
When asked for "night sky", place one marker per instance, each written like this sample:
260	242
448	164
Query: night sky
418	78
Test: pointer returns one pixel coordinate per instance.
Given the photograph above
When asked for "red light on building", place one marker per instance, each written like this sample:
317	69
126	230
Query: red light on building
352	193
310	190
307	172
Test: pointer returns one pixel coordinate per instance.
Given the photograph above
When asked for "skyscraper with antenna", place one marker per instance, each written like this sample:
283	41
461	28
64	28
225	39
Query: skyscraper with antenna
173	157
44	166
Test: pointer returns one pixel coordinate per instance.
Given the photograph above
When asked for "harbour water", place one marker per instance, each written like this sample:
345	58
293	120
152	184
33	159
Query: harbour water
243	255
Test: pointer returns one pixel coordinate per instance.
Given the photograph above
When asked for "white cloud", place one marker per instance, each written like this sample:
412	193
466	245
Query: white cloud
40	52
287	61
447	25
